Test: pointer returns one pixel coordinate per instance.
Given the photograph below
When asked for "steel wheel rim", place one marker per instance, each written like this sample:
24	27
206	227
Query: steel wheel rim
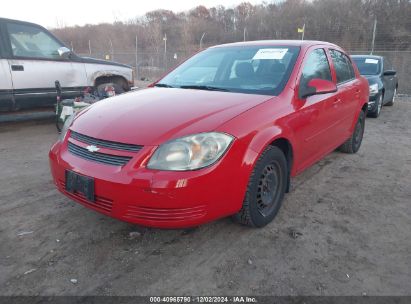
358	133
269	189
379	106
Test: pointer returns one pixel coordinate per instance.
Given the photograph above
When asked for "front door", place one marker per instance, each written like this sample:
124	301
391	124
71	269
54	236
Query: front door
35	65
388	80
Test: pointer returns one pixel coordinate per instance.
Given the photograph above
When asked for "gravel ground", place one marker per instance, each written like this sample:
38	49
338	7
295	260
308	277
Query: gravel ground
345	229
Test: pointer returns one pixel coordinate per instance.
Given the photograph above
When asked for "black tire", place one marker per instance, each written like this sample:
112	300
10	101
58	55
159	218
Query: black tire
353	144
377	111
265	190
117	88
391	102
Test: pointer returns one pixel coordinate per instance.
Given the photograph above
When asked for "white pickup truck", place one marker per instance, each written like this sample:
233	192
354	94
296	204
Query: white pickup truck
32	59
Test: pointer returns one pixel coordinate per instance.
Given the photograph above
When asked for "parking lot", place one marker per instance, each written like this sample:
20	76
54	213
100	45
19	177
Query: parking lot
344	229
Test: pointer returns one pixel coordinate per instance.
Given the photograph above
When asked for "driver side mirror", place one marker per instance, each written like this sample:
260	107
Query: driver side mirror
390	72
318	86
64	52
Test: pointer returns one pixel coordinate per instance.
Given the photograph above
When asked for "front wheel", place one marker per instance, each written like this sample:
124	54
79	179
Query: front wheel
265	190
353	144
391	102
102	89
378	107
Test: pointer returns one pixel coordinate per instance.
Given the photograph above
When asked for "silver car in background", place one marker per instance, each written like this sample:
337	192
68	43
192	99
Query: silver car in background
32	59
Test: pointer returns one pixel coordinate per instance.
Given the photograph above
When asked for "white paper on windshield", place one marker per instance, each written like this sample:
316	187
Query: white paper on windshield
370	60
270	54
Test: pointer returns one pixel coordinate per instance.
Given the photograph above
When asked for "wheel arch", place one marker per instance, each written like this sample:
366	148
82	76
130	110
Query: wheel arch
274	136
112	78
286	147
364	108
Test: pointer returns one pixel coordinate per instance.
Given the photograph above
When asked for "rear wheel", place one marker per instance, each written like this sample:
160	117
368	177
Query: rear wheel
265	190
391	102
353	144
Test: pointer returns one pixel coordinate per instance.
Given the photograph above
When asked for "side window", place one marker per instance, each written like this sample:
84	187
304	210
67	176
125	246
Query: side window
316	66
343	66
32	42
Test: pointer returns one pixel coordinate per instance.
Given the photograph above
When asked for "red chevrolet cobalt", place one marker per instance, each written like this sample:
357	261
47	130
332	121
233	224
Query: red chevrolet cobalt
218	136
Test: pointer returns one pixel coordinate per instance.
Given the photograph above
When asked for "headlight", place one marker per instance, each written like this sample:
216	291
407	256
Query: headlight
374	89
191	152
66	126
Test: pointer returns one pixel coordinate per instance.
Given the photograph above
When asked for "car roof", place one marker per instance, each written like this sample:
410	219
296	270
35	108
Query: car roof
299	43
18	21
367	56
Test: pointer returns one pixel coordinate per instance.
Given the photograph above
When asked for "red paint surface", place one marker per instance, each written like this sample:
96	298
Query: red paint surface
314	127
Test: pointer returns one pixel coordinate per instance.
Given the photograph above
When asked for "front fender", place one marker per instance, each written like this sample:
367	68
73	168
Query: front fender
264	138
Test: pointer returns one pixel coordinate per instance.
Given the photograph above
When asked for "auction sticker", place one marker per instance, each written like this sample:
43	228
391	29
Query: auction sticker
270	54
370	60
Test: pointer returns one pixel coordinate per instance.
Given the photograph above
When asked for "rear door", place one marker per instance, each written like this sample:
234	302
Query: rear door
346	107
35	65
315	125
6	86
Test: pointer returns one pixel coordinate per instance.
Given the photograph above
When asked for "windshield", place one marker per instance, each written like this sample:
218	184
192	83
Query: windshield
246	69
367	66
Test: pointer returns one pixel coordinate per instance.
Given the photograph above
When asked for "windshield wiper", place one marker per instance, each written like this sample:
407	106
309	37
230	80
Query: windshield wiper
204	87
163	85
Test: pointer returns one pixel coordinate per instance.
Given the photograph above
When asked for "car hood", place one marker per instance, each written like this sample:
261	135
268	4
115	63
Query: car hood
153	116
372	78
106	62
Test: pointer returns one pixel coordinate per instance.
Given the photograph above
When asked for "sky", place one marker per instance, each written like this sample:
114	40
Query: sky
54	13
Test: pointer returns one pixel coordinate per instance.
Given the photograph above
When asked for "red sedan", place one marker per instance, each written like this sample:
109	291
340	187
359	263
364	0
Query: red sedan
218	136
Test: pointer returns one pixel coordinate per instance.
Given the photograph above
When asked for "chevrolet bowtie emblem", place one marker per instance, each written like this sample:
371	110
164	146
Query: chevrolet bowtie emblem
92	148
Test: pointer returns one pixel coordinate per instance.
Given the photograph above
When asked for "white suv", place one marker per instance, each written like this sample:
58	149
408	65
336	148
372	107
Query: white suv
32	59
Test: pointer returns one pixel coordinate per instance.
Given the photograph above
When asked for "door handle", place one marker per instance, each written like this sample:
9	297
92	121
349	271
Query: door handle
17	67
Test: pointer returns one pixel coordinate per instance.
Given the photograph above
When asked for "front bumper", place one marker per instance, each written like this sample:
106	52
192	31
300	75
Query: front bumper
164	199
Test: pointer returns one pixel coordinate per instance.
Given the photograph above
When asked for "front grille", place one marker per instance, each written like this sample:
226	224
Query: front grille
103	158
165	214
105	143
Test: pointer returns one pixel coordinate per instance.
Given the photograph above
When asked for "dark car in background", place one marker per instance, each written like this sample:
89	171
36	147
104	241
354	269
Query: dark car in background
382	79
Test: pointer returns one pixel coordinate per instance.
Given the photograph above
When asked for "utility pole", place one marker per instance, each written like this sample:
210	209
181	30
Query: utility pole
201	41
165	44
111	50
165	50
373	35
245	31
136	57
72	47
302	36
89	47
